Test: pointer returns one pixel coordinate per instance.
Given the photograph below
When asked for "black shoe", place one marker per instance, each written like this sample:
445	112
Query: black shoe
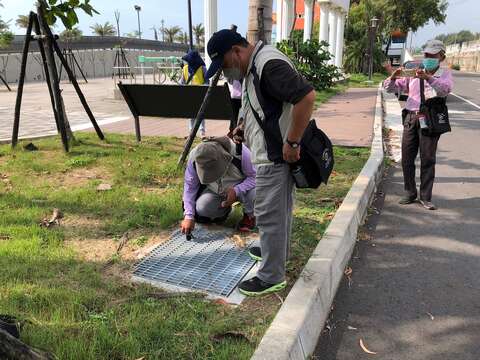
255	253
257	287
407	200
428	205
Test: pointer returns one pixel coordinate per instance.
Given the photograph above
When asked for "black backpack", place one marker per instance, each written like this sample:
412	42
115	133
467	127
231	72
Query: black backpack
316	153
436	113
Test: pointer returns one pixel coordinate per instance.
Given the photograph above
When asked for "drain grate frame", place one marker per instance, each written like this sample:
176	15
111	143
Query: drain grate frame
210	262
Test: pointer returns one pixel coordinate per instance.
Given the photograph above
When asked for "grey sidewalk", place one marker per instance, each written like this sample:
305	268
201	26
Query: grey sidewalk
415	290
346	118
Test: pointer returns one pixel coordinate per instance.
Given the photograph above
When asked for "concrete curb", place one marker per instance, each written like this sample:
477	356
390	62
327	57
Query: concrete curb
295	330
393	122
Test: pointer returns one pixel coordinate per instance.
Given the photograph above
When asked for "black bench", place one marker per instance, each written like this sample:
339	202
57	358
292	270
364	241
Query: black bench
176	101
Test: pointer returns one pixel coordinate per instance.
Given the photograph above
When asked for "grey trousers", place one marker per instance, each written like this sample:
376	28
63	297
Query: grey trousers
209	204
273	211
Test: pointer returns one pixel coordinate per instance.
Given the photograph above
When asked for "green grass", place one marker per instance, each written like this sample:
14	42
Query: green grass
355	81
322	96
360	80
76	307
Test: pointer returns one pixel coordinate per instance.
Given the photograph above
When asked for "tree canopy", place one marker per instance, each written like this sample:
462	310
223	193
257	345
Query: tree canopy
66	11
71	34
6	36
106	29
458	37
405	15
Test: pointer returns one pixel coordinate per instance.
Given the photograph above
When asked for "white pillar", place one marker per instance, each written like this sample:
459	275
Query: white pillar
324	12
288	16
210	19
332	38
279	36
308	19
340	40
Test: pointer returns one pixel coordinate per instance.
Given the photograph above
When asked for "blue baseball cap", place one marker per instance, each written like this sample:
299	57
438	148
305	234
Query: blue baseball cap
219	44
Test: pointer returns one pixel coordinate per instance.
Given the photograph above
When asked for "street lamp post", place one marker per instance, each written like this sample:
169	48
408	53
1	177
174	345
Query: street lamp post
138	9
190	30
373	29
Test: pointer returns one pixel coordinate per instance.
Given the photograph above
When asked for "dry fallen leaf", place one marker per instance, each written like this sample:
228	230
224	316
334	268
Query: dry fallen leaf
104	187
364	348
431	316
329	216
239	241
351	328
221	302
54	220
230	335
123	240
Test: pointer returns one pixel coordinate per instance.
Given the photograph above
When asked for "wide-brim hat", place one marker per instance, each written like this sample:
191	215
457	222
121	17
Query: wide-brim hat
211	161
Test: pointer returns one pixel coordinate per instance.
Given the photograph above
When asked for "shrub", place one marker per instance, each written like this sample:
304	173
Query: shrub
311	60
456	67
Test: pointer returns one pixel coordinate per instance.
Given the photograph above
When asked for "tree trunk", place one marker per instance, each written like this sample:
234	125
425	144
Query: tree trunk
52	68
254	25
12	348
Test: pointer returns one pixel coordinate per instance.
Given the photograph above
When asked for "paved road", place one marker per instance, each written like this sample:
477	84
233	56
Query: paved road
415	290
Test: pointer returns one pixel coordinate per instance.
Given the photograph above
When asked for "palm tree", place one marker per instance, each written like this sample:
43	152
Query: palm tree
71	34
171	33
199	31
253	34
132	34
22	21
106	29
182	37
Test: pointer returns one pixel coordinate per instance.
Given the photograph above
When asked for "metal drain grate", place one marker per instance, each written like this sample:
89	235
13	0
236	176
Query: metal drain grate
209	262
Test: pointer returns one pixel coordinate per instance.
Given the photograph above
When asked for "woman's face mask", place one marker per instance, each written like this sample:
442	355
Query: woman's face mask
234	72
430	64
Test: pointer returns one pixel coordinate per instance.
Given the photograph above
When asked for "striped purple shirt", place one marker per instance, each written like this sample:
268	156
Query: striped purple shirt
440	84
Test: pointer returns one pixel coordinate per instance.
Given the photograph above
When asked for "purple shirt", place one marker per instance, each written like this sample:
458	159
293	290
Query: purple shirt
192	182
440	84
235	89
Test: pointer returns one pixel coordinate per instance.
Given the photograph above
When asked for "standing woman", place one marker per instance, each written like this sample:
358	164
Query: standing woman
438	82
194	74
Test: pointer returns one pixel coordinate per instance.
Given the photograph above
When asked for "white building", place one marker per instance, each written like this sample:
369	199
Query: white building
332	22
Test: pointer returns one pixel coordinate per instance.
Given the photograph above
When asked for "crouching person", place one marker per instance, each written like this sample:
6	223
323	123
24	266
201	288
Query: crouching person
218	175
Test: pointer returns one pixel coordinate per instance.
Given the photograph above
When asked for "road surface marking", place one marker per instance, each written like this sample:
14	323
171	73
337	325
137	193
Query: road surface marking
467	101
456	112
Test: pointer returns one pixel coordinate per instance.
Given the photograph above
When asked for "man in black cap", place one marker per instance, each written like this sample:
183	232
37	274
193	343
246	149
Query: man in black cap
277	104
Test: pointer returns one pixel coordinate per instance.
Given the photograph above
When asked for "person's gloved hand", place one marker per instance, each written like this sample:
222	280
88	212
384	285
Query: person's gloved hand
187	226
231	198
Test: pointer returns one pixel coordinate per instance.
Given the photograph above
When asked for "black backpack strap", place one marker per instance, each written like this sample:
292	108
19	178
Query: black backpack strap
422	92
238	164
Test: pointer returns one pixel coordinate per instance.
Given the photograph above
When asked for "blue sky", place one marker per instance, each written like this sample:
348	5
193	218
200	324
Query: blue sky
174	12
462	14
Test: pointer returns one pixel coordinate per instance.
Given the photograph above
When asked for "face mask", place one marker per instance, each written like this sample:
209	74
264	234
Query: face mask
233	73
430	63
